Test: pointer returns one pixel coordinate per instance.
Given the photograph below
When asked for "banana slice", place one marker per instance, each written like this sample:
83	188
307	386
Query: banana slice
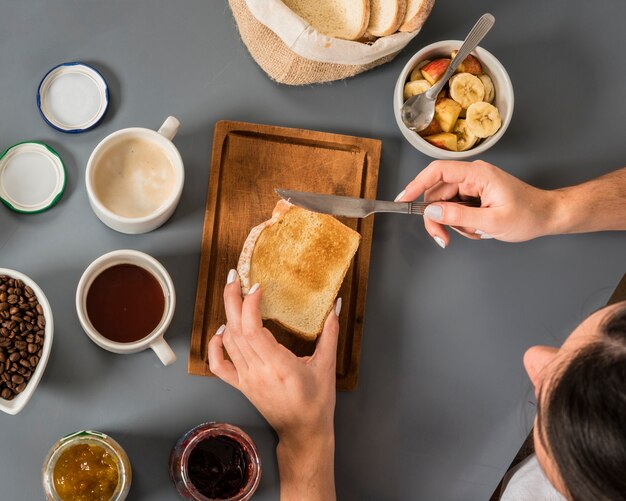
490	90
415	87
416	74
483	119
466	89
465	138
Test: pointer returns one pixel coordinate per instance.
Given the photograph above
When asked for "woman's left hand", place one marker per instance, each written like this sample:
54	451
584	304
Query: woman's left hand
296	395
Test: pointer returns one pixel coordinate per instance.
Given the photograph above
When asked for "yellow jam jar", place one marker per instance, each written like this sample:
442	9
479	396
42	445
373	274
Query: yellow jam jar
86	466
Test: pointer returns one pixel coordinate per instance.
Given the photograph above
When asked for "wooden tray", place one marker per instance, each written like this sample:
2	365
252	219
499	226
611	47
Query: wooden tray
248	162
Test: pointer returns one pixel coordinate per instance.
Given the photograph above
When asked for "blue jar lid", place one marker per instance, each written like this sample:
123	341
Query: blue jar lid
73	97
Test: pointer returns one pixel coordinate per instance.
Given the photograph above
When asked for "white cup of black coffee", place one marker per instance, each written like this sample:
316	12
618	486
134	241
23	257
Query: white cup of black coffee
125	302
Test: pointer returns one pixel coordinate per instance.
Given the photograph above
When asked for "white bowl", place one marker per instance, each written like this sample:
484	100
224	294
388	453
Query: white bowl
17	404
504	98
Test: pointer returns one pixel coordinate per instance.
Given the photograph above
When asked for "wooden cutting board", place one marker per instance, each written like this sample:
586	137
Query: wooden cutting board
248	162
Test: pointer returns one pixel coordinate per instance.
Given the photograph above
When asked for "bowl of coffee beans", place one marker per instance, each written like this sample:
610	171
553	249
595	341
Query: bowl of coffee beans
26	329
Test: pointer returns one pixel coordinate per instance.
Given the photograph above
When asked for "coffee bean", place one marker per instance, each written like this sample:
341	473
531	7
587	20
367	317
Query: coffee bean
22	334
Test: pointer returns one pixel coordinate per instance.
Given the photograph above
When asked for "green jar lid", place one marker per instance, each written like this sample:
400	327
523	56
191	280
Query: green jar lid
32	177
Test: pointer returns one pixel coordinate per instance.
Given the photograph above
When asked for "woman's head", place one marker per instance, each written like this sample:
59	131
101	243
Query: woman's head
580	429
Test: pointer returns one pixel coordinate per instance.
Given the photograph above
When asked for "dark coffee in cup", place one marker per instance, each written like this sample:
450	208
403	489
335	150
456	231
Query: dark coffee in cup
125	303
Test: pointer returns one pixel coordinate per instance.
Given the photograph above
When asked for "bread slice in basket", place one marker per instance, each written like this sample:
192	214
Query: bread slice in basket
346	19
417	11
300	258
386	16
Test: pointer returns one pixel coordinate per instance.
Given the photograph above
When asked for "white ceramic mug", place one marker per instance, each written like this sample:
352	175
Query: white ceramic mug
163	140
153	340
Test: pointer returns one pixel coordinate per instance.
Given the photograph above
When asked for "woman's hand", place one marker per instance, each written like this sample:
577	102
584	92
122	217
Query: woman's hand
295	395
511	210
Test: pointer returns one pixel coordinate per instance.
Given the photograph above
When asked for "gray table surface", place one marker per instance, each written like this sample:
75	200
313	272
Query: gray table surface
442	402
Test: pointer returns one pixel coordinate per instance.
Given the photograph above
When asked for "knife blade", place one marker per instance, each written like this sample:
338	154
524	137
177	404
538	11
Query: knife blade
339	205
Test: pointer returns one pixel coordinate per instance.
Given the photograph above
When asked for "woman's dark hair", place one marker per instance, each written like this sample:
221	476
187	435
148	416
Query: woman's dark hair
584	417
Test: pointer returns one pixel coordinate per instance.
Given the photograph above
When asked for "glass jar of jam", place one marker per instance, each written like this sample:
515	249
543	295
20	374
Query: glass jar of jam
86	466
215	461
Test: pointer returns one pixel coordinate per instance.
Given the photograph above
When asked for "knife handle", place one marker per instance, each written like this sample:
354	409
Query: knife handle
418	208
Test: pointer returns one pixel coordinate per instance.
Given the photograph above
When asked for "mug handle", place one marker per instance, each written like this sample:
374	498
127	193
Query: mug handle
169	128
163	351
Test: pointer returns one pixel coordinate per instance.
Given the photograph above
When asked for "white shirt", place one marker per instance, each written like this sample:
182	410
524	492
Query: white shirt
527	482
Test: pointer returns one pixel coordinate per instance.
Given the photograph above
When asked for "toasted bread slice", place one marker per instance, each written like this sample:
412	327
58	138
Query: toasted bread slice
346	19
300	258
386	16
417	11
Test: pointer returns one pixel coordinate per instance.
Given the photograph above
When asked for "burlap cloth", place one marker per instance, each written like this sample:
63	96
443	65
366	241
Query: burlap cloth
282	64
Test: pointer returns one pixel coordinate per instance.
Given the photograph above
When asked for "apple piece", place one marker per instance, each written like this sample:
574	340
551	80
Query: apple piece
415	87
469	65
446	113
433	128
435	69
444	140
416	74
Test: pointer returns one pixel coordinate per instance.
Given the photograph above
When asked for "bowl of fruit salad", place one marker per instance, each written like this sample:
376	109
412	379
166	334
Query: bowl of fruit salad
473	109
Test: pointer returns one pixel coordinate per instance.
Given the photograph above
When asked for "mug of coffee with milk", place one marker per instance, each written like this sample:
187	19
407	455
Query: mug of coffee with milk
135	178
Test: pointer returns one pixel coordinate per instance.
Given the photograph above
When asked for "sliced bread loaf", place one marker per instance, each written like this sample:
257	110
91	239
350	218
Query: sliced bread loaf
386	16
300	258
346	19
417	12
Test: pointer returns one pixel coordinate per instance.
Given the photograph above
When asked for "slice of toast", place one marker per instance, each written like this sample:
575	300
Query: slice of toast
417	11
300	258
346	19
386	16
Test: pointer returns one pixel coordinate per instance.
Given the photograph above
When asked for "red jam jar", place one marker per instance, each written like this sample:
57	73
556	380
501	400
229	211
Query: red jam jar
215	461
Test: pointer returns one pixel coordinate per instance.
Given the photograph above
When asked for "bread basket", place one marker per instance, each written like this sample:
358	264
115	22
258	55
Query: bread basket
291	52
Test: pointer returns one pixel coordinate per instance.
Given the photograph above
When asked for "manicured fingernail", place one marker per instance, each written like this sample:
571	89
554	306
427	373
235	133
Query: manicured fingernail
220	331
338	307
479	232
434	212
440	242
485	236
254	288
400	195
232	275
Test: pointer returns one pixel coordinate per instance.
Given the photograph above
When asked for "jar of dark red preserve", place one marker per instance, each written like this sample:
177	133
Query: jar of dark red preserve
215	461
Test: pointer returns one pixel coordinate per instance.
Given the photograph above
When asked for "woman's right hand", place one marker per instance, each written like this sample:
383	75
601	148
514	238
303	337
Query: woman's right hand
511	210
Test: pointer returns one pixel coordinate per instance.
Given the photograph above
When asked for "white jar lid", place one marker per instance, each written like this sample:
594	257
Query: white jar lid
73	97
32	177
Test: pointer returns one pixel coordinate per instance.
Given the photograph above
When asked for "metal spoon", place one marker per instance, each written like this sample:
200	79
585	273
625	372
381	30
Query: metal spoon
418	111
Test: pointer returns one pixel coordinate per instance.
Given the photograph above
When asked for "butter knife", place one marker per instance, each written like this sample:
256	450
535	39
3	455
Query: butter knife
338	205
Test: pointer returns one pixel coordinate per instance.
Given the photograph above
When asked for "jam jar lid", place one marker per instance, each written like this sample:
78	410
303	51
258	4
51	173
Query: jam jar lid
32	177
73	97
